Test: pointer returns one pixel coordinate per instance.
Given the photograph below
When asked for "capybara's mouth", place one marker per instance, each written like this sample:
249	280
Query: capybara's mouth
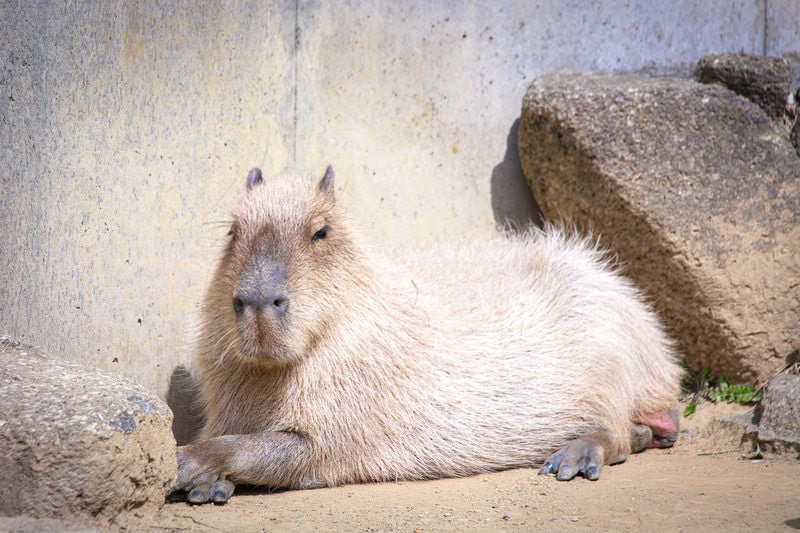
262	339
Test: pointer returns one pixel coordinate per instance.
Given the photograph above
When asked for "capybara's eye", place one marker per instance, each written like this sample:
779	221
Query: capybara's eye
233	233
321	234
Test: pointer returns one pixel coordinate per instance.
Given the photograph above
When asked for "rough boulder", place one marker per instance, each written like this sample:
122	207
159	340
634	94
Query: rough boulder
695	189
78	444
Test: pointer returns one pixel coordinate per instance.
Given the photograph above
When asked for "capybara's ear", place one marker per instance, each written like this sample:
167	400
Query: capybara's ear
254	178
326	183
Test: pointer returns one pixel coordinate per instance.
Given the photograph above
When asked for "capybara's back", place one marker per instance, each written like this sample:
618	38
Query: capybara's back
325	361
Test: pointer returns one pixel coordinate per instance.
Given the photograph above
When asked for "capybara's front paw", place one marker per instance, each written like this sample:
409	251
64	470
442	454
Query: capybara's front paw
201	476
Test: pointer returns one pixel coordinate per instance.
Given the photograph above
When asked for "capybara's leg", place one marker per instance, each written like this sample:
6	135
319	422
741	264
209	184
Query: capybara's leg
584	455
207	469
664	426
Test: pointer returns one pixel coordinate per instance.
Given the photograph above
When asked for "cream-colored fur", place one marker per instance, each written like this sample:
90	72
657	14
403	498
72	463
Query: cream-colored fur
466	357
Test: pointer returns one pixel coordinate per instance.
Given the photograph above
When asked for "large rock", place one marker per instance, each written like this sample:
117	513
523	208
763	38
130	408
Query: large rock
772	426
78	444
780	410
697	192
763	80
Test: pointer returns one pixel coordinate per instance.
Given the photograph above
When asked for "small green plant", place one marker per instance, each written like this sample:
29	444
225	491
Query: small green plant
741	394
707	386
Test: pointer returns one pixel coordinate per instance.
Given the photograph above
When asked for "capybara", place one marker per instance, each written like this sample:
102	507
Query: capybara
323	360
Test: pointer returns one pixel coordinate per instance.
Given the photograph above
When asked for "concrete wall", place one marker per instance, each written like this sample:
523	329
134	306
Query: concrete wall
127	128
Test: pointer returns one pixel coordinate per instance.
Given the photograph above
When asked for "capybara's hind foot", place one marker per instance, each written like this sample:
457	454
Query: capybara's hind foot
584	455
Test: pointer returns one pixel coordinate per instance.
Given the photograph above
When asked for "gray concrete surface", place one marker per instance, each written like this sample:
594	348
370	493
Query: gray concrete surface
126	131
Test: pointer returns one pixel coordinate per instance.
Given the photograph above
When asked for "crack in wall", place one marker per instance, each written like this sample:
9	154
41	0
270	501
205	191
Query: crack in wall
295	60
765	24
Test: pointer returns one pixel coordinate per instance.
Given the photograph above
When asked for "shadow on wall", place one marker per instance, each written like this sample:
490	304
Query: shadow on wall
513	204
183	398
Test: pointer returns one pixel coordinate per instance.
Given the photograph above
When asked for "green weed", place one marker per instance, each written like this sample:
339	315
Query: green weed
707	386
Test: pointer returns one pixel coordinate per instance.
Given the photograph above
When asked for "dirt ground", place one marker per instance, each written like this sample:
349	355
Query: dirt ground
702	484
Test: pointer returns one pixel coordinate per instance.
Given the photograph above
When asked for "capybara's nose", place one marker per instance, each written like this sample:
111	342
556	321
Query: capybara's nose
261	288
273	304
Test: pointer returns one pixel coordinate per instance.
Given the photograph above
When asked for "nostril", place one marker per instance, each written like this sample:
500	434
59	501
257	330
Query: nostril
279	304
275	305
238	306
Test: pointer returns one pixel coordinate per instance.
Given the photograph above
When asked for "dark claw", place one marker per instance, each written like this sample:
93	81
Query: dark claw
552	463
547	468
198	495
222	491
566	472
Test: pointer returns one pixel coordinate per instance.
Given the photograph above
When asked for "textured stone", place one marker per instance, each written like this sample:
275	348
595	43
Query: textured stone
695	189
780	410
793	110
78	444
763	80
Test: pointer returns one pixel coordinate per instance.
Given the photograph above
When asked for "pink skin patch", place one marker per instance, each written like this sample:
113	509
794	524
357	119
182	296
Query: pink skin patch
664	426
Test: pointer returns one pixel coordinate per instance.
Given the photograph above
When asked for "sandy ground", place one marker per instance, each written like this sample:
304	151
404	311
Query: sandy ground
702	484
